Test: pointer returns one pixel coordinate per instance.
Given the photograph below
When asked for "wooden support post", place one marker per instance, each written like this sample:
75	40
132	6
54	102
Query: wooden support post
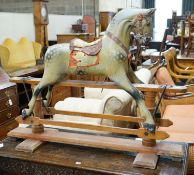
150	103
38	112
38	128
29	145
145	160
150	100
149	142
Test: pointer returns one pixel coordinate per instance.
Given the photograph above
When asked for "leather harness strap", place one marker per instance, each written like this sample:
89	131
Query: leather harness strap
118	41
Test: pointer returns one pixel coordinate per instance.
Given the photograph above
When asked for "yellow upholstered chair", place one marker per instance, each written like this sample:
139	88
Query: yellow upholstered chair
19	55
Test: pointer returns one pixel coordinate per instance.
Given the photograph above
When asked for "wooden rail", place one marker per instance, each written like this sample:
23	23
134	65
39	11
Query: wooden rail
97	84
158	121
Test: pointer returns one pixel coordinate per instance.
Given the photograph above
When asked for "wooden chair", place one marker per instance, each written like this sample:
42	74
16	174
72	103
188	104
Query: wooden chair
184	63
175	20
191	37
155	54
177	74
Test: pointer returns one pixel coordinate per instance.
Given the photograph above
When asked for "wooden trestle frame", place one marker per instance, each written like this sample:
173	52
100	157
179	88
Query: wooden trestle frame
38	132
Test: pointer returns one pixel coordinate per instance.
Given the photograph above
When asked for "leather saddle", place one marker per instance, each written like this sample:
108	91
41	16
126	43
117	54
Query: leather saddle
90	49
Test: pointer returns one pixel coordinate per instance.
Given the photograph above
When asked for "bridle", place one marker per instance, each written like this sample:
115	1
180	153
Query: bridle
117	41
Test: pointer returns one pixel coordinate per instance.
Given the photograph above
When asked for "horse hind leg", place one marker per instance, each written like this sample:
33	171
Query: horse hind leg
48	96
36	92
123	81
46	81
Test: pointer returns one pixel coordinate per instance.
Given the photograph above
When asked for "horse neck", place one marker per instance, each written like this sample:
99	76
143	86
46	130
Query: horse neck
122	32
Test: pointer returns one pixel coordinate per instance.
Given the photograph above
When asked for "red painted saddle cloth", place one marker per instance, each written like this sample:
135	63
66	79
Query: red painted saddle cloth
84	54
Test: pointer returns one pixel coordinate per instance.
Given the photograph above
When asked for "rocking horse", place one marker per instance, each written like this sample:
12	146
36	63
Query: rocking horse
107	56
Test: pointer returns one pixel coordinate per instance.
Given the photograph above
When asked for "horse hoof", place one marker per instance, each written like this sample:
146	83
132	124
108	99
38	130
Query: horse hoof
150	127
24	114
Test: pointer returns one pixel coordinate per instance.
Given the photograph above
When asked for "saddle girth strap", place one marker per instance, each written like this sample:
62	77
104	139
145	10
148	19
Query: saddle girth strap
118	41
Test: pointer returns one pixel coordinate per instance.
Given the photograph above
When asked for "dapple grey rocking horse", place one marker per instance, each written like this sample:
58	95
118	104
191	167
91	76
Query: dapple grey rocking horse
107	56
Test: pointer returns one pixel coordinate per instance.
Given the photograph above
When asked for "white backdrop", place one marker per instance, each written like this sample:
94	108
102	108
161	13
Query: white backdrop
165	7
113	5
17	25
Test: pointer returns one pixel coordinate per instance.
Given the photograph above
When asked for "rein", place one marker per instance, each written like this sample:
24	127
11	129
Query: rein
118	41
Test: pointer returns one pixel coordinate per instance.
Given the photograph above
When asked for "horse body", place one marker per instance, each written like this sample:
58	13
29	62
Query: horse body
111	60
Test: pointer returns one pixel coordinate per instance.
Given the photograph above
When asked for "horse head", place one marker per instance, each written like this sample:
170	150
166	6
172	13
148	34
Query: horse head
142	23
130	20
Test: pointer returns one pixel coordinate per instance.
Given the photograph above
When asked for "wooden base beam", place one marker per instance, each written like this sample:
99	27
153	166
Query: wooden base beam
97	141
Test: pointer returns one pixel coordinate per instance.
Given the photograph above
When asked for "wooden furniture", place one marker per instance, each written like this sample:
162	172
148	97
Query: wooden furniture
9	104
190	47
177	73
181	115
175	20
163	77
179	30
104	19
179	108
187	61
60	159
24	90
91	24
77	28
87	25
41	21
66	38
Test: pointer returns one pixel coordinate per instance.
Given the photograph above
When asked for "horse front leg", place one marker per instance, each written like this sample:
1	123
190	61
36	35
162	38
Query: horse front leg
124	82
132	77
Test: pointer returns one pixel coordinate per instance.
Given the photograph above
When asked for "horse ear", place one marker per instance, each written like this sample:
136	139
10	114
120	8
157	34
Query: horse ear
151	11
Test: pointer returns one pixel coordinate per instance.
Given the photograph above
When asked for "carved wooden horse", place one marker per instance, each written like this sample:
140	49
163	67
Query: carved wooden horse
107	56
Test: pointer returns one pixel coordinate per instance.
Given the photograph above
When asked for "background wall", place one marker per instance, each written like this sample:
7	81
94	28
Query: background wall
16	25
60	24
17	19
114	5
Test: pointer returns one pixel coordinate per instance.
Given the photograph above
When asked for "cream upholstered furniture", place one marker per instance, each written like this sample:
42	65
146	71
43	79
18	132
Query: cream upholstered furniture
19	55
101	101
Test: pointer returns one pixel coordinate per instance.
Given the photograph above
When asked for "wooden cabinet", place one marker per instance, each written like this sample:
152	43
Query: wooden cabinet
8	104
105	18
